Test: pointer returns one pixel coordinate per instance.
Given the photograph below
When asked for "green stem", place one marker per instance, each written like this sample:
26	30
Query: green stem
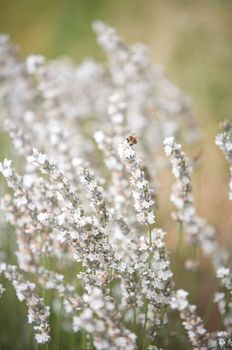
146	301
134	311
91	343
111	283
134	316
84	341
60	316
230	255
179	244
58	328
145	325
150	246
209	309
194	273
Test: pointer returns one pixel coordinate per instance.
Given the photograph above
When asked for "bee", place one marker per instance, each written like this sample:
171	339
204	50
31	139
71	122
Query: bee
132	140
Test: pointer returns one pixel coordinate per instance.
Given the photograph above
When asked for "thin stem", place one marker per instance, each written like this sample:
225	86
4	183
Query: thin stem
179	244
134	311
145	325
209	308
84	341
60	316
146	301
91	343
194	273
134	316
111	282
58	329
150	246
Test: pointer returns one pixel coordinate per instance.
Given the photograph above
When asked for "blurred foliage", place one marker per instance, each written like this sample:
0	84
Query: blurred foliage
192	38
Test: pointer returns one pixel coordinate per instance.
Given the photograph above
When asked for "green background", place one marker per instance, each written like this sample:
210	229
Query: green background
192	38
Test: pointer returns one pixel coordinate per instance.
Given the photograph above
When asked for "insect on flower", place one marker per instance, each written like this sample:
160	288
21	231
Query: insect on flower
132	140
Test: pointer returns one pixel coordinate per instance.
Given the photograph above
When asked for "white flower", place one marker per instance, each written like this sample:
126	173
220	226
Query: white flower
33	62
5	168
180	301
42	338
42	217
99	136
223	272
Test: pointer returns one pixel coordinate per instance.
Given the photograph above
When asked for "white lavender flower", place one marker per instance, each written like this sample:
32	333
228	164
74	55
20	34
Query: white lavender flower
105	327
38	313
224	142
153	102
33	62
69	209
193	324
87	178
224	340
182	191
197	230
142	193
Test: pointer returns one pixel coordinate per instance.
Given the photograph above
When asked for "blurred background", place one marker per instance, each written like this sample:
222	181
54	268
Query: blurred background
192	39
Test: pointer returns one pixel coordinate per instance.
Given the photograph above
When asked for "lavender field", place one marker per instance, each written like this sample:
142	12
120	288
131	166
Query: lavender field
115	203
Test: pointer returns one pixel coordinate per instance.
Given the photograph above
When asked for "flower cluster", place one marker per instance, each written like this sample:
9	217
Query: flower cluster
99	318
181	169
223	299
38	313
224	340
152	99
193	324
197	230
224	141
83	200
142	194
224	274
